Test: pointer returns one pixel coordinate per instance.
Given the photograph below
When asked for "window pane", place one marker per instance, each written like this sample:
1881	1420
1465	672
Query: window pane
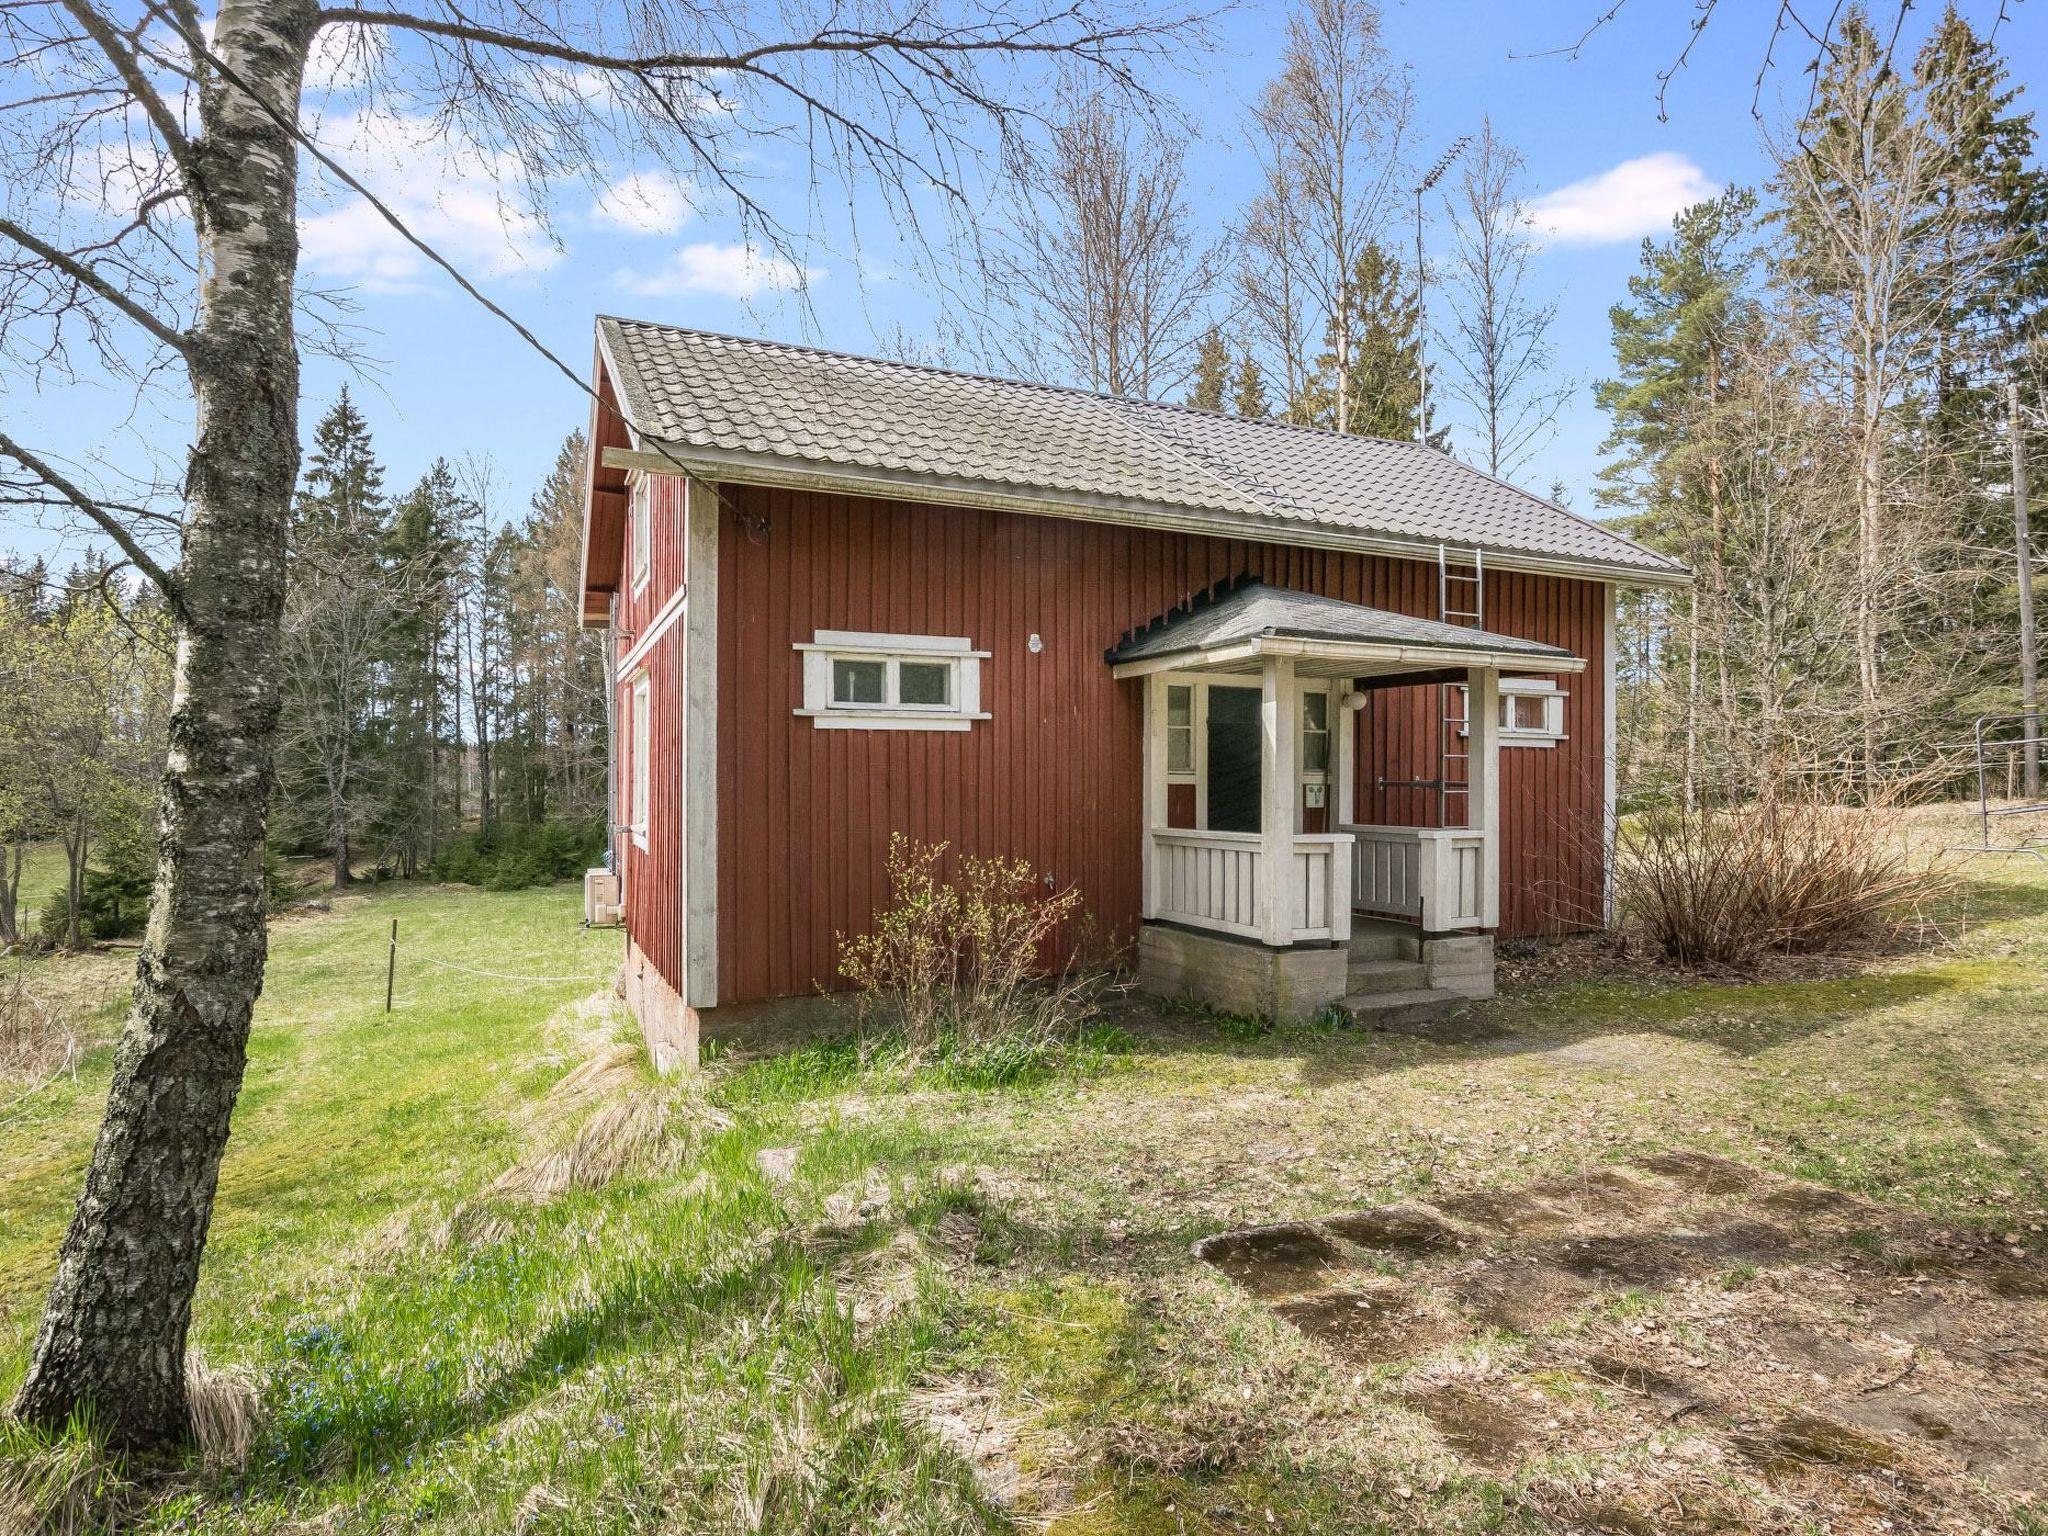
1315	752
1180	706
1315	711
857	682
1180	749
924	682
1528	713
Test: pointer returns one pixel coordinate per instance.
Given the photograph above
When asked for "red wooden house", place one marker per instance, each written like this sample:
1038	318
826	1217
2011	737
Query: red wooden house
1309	717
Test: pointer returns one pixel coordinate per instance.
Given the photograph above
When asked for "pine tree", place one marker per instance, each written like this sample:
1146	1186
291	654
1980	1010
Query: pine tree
1212	371
1675	345
1384	397
1248	392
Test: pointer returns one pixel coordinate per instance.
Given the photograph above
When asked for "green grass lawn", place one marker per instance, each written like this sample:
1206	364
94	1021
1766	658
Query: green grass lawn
42	880
481	1284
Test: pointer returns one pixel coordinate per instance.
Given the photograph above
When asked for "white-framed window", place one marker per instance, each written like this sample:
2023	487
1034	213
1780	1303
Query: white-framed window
855	680
641	515
643	743
1315	732
1180	731
1531	712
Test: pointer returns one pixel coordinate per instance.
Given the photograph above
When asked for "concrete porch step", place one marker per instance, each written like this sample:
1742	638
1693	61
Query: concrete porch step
1399	1010
1375	976
1372	939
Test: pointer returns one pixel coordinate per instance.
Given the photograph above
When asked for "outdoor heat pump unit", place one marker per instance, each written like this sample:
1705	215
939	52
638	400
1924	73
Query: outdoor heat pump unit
601	906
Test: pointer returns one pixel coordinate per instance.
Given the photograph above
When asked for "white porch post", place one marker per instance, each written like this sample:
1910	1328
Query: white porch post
1482	709
1155	785
1343	765
1277	780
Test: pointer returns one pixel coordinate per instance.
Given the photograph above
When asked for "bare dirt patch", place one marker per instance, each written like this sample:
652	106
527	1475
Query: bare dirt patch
1736	1351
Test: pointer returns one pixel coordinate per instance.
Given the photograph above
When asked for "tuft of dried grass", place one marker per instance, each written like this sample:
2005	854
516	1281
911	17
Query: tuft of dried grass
225	1406
636	1126
58	1488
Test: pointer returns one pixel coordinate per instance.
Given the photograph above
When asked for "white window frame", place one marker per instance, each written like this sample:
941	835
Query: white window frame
1551	732
638	695
640	512
827	646
1197	708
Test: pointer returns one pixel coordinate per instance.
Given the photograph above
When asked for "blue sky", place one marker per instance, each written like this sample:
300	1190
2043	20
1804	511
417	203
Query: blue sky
450	379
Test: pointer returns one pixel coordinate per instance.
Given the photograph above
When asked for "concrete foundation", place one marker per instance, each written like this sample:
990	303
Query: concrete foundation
1461	963
667	1023
1241	975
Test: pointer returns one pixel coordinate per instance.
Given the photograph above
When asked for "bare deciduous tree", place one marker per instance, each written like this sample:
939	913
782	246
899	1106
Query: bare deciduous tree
151	162
1330	133
1107	285
1496	343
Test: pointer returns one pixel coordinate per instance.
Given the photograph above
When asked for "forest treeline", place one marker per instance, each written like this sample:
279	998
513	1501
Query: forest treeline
1812	400
443	711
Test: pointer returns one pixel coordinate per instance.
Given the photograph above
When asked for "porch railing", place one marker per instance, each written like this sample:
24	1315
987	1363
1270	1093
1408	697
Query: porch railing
1434	875
1215	880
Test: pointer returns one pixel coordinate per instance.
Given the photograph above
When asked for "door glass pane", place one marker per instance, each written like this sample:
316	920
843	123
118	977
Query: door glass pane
1234	759
1315	733
1180	729
857	682
924	682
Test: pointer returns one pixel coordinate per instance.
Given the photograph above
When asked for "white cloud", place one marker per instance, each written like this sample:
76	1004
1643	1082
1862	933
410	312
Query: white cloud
464	202
1636	198
644	203
732	271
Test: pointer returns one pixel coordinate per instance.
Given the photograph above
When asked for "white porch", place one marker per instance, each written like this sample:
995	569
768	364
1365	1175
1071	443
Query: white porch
1307	865
1251	711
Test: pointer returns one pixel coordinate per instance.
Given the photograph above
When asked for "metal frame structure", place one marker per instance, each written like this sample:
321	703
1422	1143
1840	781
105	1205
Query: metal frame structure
2030	737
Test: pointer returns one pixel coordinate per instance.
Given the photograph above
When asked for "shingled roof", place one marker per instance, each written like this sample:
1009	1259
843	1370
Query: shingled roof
740	409
1251	610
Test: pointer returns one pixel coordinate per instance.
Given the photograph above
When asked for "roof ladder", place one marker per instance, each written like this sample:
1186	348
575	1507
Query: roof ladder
1461	600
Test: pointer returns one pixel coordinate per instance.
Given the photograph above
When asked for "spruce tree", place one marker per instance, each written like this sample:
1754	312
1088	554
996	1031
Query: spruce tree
340	506
1384	351
1248	391
1212	371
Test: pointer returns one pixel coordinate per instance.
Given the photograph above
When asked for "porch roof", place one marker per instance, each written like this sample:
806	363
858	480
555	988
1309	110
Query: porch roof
1232	630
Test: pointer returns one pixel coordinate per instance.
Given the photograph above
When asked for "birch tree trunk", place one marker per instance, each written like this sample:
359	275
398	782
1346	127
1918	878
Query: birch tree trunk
113	1334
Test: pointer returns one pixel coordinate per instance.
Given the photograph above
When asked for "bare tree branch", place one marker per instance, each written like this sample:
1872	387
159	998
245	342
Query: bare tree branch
83	274
110	525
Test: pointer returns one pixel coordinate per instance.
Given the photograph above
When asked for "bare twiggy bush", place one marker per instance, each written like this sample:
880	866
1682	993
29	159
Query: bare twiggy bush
1779	874
971	959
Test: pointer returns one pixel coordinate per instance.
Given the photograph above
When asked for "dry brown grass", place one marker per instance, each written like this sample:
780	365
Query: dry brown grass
55	1008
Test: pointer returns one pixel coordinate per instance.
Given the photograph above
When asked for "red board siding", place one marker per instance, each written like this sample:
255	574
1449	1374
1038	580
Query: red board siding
805	815
652	878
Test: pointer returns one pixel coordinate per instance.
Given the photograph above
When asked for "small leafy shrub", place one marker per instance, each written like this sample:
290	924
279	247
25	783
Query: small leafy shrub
509	856
1784	875
971	963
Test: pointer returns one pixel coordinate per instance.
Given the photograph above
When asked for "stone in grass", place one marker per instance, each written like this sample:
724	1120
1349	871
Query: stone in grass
777	1164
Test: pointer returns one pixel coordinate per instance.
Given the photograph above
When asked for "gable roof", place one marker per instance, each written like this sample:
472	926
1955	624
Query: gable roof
734	409
1254	611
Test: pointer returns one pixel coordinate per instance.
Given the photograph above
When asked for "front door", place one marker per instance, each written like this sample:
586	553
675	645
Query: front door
1233	759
